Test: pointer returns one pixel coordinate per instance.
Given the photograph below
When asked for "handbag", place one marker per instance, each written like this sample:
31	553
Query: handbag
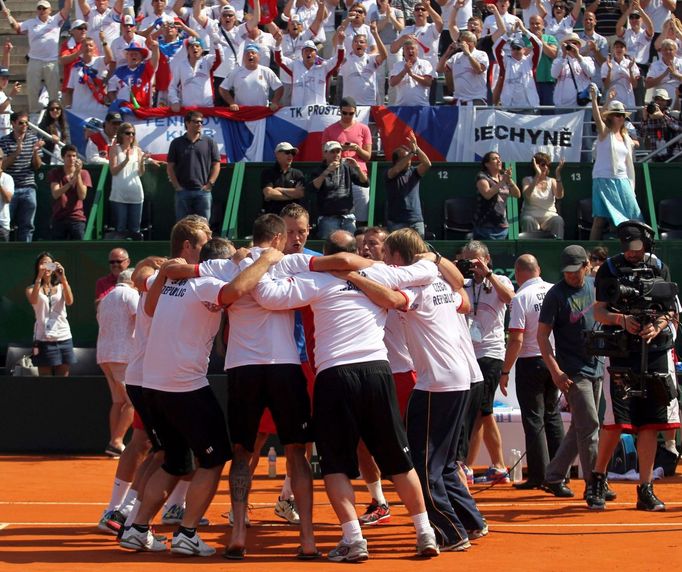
25	368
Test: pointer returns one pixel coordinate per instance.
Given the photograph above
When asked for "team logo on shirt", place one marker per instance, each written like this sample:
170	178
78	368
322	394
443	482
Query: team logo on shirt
212	307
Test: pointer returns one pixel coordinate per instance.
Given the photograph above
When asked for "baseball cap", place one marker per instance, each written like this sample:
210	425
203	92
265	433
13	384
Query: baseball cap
114	117
662	93
227	9
309	44
192	41
285	146
128	20
631	235
331	145
573	258
252	48
137	47
516	43
44	4
4	72
78	24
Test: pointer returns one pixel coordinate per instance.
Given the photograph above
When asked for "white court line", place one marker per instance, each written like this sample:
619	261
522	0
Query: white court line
4	525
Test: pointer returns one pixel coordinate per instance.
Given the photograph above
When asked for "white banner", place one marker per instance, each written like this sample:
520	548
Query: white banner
517	136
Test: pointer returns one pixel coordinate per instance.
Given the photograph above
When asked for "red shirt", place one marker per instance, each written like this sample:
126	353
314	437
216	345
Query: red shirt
104	285
68	206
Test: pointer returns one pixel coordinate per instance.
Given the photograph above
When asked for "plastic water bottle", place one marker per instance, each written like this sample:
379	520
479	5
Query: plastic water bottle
272	463
515	464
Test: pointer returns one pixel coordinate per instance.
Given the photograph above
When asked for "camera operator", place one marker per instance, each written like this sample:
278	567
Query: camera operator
657	410
489	294
659	125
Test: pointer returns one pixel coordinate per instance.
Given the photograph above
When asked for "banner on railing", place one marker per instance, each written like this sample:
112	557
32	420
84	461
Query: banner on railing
517	136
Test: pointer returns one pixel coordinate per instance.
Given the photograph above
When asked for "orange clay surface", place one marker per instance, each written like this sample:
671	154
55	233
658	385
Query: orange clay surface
49	507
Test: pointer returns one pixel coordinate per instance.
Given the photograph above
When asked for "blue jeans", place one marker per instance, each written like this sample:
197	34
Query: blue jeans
22	210
490	233
193	202
328	224
126	216
418	226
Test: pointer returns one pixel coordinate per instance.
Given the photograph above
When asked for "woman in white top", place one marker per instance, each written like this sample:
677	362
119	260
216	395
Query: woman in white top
613	173
49	295
621	73
540	193
560	22
126	163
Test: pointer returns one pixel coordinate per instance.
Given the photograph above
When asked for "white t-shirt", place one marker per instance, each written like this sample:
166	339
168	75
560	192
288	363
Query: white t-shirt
408	91
620	80
218	36
82	98
265	41
486	318
192	84
490	23
119	45
564	90
103	21
257	337
525	312
435	337
532	10
638	44
463	14
43	37
116	321
659	13
669	82
348	326
185	322
5	124
360	78
252	87
351	32
143	322
7	183
428	36
469	84
309	86
395	338
559	29
50	311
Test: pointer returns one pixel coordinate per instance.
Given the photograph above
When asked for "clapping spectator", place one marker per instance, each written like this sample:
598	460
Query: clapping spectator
69	186
620	73
594	45
637	35
560	21
540	193
390	23
412	78
53	122
191	82
97	147
49	295
666	72
360	70
544	82
467	70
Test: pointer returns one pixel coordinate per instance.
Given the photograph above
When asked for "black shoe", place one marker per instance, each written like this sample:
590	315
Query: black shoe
558	489
596	492
527	486
647	500
609	493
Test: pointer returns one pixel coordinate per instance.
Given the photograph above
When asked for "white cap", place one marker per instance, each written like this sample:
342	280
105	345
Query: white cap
331	145
78	24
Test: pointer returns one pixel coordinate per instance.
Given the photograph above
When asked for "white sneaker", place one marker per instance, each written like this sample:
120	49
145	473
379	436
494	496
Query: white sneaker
182	544
353	552
133	539
102	525
427	547
286	509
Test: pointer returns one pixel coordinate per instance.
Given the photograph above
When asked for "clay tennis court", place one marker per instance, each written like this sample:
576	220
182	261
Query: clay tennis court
49	507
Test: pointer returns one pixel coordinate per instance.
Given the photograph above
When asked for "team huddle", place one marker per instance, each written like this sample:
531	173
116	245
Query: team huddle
350	307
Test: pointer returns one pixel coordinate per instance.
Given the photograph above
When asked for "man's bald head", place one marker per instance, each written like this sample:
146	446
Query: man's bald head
339	241
526	267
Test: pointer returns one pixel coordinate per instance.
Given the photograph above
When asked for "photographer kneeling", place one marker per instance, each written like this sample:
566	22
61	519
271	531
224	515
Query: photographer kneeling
634	294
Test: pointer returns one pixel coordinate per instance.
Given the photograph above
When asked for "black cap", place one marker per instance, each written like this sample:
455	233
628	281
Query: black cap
632	235
573	258
114	116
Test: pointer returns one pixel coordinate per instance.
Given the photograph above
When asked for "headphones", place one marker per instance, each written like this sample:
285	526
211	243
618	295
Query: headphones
647	233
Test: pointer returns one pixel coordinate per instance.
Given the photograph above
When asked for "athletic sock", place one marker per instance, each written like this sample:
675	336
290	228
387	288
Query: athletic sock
118	493
141	527
188	532
377	492
128	502
351	531
421	523
177	497
133	514
286	492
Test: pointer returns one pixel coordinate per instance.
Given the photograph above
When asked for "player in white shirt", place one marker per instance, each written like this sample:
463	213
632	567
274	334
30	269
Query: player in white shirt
353	382
192	76
309	75
439	343
412	78
252	83
185	413
359	70
467	70
537	395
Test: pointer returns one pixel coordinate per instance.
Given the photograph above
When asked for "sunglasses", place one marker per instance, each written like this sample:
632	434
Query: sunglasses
117	261
420	10
41	8
129	133
289	152
55	108
348	113
81	28
635	16
22	122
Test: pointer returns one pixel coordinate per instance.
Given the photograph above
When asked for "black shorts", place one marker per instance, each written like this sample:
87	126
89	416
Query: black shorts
140	405
469	415
282	388
189	425
491	369
632	413
353	402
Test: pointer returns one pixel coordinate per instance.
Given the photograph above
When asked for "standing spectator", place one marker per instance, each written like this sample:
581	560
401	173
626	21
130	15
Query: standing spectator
54	123
191	82
613	173
22	160
6	194
49	295
658	11
97	147
390	23
332	184
494	185
567	312
490	25
118	262
538	396
598	256
360	70
572	71
69	186
607	12
6	98
282	185
116	321
102	21
560	22
658	126
403	204
43	50
540	193
594	45
638	36
543	73
132	83
466	70
621	74
86	89
353	25
193	169
251	83
666	72
127	35
70	50
412	77
224	33
530	8
127	164
356	142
